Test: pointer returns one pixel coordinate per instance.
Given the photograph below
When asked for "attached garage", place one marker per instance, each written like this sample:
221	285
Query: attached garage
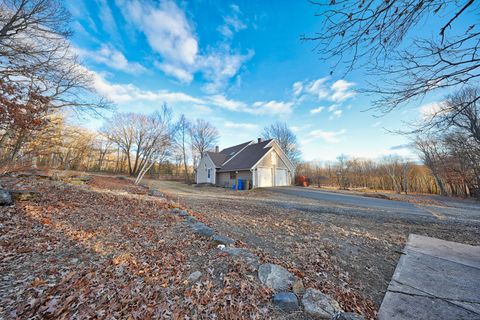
281	177
264	176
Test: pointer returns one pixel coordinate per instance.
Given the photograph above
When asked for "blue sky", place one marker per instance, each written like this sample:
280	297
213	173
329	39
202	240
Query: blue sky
240	65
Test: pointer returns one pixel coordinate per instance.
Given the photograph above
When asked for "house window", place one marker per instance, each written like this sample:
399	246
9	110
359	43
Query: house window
233	175
208	173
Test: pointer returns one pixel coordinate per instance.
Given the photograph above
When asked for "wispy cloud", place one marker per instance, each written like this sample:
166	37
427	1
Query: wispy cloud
342	90
328	136
112	58
170	34
232	22
123	93
319	89
223	102
239	125
336	114
271	107
317	110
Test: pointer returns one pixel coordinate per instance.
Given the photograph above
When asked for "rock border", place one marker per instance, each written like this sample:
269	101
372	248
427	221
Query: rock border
289	293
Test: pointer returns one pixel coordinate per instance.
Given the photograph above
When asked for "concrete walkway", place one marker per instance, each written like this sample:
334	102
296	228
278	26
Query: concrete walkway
434	279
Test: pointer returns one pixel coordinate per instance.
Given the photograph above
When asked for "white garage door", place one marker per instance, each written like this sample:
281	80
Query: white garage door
281	177
264	177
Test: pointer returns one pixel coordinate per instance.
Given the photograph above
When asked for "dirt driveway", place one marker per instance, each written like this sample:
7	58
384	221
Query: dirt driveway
346	249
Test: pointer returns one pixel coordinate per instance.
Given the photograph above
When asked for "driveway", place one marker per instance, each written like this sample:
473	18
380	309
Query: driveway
344	244
451	210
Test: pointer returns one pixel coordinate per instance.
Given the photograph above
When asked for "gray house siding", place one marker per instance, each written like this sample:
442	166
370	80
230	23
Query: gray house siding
223	178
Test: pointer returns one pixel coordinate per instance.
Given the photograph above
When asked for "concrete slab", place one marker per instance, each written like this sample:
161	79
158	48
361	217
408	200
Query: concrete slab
434	279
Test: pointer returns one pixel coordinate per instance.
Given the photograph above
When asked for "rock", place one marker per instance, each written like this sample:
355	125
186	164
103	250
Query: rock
176	210
317	304
347	316
202	229
23	195
5	198
298	288
191	220
183	213
251	259
81	178
287	301
275	277
217	239
155	193
194	276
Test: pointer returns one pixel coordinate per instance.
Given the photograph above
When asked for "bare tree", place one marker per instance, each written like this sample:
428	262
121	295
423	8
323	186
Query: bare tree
182	129
38	71
285	138
158	138
203	137
378	34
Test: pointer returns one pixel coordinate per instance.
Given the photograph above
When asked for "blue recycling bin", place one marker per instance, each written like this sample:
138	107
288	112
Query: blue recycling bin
240	184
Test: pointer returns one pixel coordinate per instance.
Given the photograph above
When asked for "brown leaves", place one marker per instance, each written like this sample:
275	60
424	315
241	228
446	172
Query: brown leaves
75	253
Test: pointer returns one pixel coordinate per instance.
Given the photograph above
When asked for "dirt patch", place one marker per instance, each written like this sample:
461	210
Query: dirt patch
79	252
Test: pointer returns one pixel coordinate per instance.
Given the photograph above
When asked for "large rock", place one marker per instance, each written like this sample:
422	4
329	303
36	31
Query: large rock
347	316
202	229
217	239
194	276
183	213
23	195
275	277
251	259
5	198
318	304
155	193
287	301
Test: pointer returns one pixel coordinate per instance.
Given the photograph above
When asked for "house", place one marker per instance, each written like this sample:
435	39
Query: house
261	163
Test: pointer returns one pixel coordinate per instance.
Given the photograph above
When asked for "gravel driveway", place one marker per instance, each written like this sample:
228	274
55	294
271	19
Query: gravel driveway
466	211
343	244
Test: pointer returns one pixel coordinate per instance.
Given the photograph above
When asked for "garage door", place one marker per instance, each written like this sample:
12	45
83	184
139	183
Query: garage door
264	177
281	177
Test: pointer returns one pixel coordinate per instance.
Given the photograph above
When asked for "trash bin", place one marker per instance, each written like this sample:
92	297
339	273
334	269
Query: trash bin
246	186
240	184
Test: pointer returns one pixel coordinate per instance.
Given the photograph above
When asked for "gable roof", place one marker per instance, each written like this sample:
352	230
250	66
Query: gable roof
217	158
249	156
231	151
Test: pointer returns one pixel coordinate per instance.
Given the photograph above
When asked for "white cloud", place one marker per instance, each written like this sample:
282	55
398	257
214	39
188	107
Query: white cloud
341	90
238	125
108	21
122	93
272	107
317	110
297	88
336	114
319	89
232	23
172	36
179	73
220	66
333	107
328	136
167	30
429	110
376	124
112	58
223	102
